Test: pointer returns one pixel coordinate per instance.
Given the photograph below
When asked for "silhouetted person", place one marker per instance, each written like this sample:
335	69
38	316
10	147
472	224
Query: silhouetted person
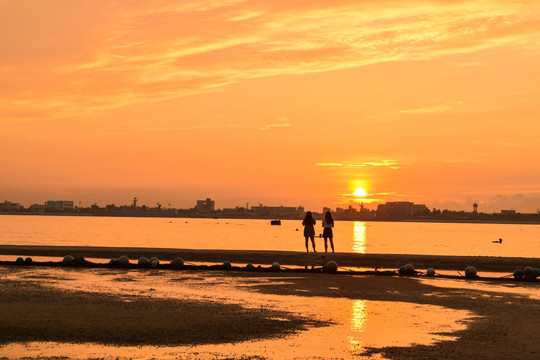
309	230
328	224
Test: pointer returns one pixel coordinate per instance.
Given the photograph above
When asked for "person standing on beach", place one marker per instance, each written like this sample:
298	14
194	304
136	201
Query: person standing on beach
328	224
309	230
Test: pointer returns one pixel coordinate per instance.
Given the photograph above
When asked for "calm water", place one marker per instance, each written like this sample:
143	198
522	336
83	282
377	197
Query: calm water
236	234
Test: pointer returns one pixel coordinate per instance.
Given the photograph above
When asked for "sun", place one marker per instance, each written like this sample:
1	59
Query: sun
360	192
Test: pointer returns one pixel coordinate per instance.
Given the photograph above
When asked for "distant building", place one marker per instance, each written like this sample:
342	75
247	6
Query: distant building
58	205
10	206
326	209
400	209
284	212
205	205
508	212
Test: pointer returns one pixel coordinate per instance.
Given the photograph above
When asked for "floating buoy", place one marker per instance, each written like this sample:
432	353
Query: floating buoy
227	265
430	272
276	266
331	266
518	274
123	261
402	270
470	272
528	272
536	273
154	262
250	267
177	263
113	262
19	260
28	260
79	261
143	262
68	260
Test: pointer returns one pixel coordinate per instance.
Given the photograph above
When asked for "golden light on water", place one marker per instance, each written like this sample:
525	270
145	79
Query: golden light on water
358	323
359	237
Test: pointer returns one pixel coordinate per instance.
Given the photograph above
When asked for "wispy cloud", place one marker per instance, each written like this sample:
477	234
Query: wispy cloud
151	51
392	164
450	105
282	122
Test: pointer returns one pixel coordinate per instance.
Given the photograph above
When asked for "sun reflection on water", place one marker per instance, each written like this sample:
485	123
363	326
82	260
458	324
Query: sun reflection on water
359	237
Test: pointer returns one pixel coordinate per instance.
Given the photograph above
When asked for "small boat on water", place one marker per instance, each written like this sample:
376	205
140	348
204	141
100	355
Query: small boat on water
275	222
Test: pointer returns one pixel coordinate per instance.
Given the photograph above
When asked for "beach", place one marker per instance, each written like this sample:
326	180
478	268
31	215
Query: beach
35	308
293	258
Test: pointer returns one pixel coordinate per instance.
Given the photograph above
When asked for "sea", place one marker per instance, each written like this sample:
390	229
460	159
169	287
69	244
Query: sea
373	237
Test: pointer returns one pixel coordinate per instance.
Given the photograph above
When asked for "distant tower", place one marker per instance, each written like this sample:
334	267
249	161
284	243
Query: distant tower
135	199
475	208
362	206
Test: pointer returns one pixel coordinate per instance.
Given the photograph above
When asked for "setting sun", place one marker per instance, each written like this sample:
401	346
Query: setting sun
360	192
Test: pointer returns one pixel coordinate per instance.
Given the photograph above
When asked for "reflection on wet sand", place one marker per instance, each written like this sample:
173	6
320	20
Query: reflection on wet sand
354	324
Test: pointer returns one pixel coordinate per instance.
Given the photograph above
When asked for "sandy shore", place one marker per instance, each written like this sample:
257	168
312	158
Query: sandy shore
370	261
504	327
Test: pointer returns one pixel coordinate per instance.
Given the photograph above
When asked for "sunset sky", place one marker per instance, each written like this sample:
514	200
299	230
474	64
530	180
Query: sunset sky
279	102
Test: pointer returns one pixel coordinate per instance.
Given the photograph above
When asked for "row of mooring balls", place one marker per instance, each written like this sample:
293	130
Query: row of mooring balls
470	271
176	263
21	261
528	272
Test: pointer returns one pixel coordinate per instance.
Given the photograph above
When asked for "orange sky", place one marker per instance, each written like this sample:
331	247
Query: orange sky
279	102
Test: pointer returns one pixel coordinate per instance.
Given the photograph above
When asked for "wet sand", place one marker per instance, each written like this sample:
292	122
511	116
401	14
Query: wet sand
371	261
505	324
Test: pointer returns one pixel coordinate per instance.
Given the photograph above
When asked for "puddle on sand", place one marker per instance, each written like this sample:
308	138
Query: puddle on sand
530	290
356	324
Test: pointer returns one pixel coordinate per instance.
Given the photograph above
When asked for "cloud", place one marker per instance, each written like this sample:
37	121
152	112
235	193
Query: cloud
138	51
282	122
392	164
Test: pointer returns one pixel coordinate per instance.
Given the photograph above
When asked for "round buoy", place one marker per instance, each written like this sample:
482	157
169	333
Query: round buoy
79	261
410	269
143	262
528	272
250	267
154	262
518	274
28	260
430	272
402	270
113	262
536	273
276	266
470	272
123	261
331	266
68	260
177	263
227	264
19	260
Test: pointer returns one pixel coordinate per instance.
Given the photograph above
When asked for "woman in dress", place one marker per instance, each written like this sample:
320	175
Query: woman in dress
309	230
328	224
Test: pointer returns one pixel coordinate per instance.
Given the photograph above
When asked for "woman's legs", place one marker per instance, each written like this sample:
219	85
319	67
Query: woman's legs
331	243
307	248
312	243
326	244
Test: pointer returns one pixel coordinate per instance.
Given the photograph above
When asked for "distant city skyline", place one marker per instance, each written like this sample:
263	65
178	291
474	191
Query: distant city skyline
193	202
280	102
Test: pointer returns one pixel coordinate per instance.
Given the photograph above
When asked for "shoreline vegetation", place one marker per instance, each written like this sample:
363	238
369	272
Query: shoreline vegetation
290	258
517	219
